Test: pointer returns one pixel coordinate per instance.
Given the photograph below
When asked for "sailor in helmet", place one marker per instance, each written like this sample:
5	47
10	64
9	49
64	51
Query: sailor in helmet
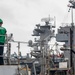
2	41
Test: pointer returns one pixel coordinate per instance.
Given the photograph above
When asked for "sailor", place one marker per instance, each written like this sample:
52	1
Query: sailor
2	41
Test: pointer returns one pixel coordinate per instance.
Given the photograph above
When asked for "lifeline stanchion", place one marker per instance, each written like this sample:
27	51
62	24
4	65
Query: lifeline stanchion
8	45
8	51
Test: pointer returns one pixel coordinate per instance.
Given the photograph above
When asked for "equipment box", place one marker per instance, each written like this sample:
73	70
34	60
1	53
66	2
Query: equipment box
62	64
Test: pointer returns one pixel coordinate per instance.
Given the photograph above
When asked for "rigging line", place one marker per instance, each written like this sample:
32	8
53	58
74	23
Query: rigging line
65	18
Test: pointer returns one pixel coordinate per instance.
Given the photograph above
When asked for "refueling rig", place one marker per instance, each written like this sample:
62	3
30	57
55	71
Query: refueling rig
43	63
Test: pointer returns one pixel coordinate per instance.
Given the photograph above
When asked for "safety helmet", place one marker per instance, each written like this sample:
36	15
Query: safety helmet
1	21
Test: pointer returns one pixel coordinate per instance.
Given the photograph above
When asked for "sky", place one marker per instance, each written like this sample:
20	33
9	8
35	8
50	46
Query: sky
20	17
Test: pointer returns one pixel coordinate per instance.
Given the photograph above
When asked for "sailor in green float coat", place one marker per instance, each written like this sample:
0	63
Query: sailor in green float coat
2	41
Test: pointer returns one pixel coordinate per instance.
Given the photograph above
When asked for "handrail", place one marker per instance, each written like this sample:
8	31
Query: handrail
8	45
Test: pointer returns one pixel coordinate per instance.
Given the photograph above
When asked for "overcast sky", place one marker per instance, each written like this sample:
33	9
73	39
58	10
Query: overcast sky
21	16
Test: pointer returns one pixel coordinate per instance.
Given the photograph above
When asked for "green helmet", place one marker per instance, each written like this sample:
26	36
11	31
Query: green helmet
1	21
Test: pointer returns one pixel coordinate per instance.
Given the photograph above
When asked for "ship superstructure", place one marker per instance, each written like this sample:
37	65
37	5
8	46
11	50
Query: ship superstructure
40	47
66	34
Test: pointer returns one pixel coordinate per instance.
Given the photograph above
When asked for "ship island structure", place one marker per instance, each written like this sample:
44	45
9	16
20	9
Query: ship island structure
44	59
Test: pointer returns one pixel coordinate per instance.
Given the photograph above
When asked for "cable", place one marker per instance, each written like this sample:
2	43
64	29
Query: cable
65	17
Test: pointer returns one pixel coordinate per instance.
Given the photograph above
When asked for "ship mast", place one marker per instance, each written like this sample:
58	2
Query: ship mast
72	34
45	33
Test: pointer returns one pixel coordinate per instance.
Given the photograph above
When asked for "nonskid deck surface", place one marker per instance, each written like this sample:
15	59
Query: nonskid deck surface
14	70
8	69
